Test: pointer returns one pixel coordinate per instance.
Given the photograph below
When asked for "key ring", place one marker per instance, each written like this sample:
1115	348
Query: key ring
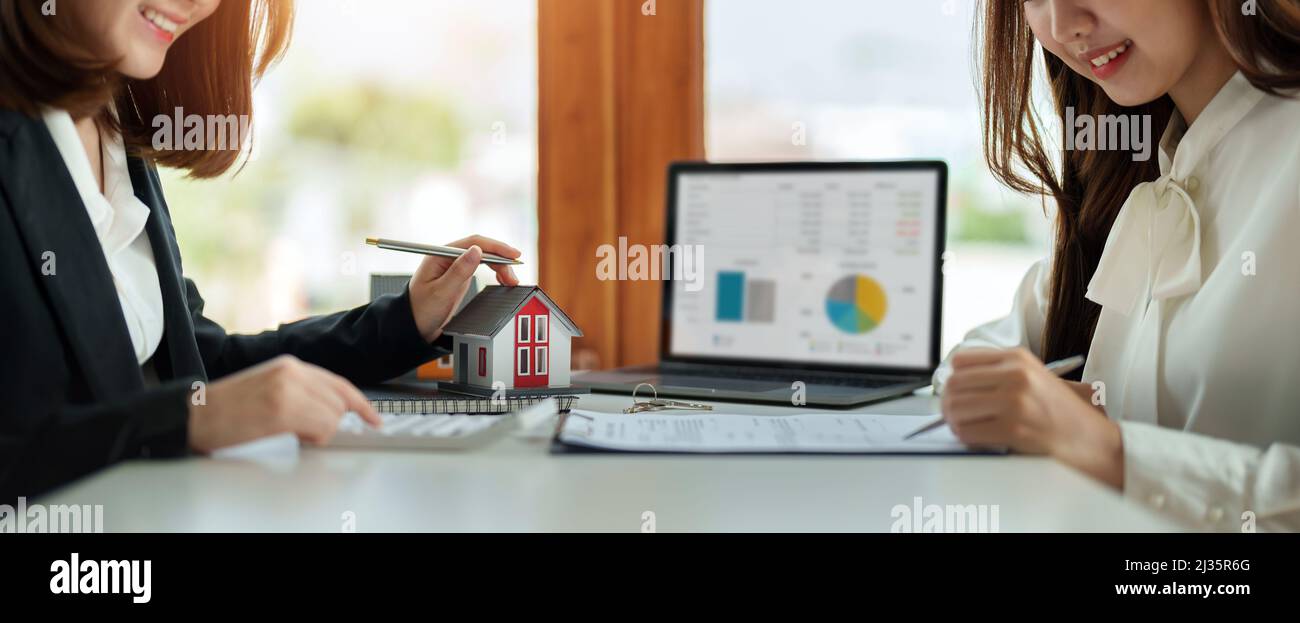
644	405
655	404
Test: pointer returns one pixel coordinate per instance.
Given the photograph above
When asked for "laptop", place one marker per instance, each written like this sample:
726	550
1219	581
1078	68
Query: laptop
798	283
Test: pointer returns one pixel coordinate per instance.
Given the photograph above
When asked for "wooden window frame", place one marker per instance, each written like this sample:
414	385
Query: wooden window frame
620	95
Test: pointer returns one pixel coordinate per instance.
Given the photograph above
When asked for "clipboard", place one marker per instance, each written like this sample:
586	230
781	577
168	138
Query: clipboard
559	446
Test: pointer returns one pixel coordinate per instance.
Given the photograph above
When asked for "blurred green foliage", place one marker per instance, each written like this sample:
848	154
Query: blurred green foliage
358	141
369	118
1002	226
980	215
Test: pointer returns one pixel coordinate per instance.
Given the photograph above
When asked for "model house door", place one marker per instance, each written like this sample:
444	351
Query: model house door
533	345
462	361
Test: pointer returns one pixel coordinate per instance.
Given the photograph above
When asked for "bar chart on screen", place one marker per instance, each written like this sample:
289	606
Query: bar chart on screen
745	300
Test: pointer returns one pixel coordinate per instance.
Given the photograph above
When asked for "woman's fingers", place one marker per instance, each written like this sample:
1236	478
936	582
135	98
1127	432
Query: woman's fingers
489	245
432	267
451	287
988	432
976	379
349	397
505	274
320	402
316	415
462	269
971	407
978	357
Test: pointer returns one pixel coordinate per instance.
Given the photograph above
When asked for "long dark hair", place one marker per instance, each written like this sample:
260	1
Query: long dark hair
210	70
1091	186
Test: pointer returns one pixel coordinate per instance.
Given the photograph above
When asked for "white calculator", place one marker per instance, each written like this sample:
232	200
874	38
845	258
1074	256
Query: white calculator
422	432
436	431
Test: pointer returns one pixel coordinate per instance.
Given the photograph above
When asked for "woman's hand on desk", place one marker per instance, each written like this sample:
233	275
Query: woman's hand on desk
440	283
283	395
1009	398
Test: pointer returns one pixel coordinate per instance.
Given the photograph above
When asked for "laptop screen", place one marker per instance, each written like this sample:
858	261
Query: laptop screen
834	267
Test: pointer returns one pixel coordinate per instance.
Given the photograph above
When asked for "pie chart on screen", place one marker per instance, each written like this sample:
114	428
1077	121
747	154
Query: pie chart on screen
856	304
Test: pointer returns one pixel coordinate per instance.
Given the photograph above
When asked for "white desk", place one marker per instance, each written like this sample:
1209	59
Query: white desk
515	485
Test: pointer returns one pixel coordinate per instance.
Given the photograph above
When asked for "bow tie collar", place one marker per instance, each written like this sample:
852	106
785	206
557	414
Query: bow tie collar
1155	243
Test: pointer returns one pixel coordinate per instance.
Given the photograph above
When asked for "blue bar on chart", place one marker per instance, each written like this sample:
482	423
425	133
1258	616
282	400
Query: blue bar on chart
731	297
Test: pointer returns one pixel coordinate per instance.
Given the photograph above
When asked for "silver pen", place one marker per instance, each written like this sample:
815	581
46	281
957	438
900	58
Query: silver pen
433	249
1060	367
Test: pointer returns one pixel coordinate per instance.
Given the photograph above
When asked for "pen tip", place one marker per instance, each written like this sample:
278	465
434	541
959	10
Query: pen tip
372	241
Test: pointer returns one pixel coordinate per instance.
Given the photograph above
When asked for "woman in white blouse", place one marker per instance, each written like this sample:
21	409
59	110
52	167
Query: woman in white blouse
1178	276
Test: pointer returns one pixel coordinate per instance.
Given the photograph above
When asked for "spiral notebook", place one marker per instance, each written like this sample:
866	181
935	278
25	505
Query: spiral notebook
422	399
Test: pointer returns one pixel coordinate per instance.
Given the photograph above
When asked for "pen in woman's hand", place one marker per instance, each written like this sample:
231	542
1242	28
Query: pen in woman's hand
1060	367
438	250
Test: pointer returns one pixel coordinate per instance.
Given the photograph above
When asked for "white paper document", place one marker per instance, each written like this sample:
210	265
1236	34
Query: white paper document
814	432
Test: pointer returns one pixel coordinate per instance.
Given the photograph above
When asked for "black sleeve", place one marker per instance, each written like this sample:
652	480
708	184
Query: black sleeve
78	440
370	344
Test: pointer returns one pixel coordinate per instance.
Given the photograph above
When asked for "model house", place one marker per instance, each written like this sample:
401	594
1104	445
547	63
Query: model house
516	336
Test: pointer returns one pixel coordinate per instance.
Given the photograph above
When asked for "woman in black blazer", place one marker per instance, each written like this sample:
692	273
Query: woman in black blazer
82	385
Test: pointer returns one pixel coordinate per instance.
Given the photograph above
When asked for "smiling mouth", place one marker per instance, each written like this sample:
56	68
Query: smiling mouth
159	21
1103	59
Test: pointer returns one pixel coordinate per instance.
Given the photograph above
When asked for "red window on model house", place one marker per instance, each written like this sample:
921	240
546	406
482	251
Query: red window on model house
482	361
532	345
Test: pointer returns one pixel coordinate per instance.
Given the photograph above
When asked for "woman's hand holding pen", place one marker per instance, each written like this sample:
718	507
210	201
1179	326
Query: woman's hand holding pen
440	283
1009	398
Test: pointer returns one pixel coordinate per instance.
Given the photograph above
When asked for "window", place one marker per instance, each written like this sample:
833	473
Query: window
837	89
541	328
523	322
370	126
542	363
482	361
521	368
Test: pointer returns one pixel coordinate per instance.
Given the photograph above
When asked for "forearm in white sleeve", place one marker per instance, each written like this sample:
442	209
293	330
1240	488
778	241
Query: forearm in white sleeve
1212	484
1022	327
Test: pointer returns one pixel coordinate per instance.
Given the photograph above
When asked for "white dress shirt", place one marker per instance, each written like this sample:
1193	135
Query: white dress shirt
1197	348
119	219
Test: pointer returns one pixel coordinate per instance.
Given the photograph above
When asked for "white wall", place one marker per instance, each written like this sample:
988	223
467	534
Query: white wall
503	355
473	343
561	341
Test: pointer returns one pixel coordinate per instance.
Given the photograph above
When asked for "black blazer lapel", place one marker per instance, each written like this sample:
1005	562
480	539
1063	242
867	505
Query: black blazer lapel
184	359
52	218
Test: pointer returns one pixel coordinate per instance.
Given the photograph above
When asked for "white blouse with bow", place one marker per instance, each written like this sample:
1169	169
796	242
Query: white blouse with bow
1197	350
